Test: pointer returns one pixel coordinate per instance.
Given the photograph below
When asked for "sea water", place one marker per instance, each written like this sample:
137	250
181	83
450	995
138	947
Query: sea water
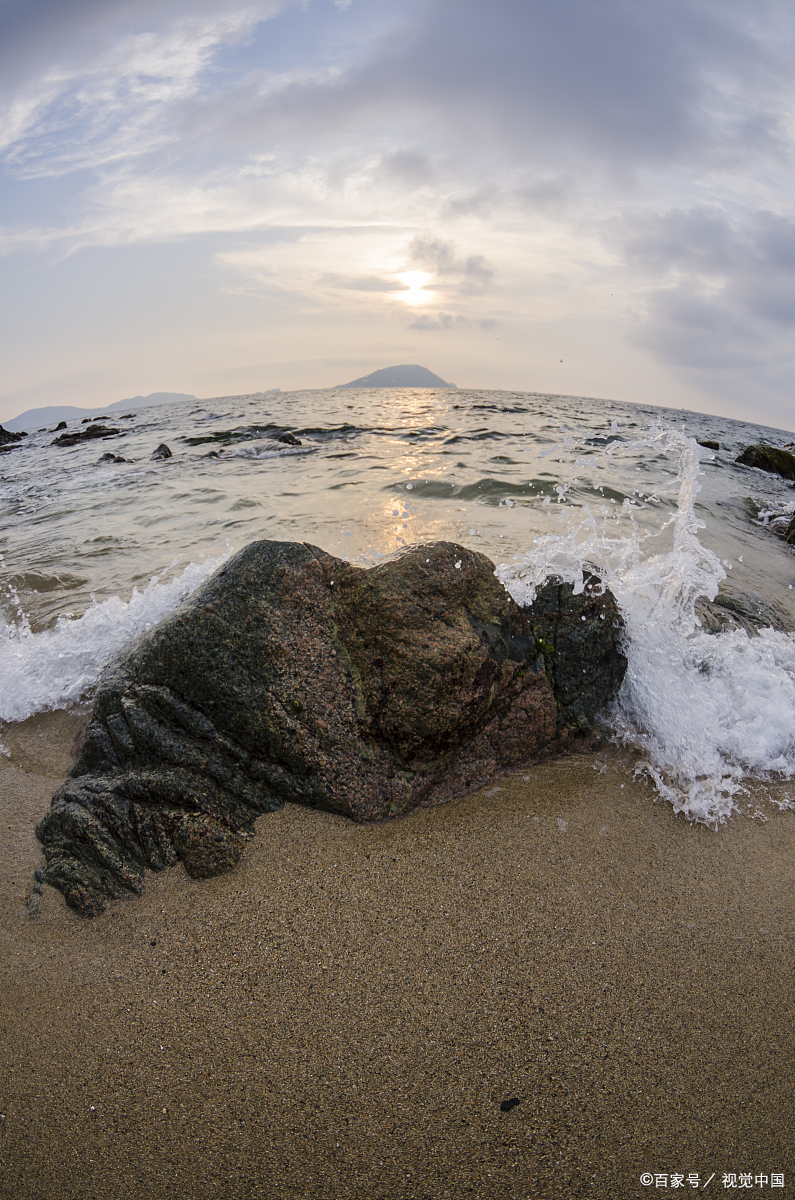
93	553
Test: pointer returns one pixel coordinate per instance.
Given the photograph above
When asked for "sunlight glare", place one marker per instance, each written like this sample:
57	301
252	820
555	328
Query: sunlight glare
415	282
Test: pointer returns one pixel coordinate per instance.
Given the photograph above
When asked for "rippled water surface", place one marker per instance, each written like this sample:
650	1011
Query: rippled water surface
92	552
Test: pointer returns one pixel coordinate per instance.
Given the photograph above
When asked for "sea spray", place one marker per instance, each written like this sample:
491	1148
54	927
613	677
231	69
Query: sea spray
709	711
578	481
50	669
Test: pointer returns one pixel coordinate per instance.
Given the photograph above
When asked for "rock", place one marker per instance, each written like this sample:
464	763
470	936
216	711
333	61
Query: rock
86	435
709	445
289	439
86	420
162	451
293	676
790	535
114	458
768	458
60	425
729	611
7	438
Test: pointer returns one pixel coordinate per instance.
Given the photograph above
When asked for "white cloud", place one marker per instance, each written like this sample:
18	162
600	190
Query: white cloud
118	106
623	163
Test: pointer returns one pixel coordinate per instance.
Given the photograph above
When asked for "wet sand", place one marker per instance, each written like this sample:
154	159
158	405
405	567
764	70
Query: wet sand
344	1014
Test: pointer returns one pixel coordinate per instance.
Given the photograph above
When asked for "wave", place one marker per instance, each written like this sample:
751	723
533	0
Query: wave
710	712
51	669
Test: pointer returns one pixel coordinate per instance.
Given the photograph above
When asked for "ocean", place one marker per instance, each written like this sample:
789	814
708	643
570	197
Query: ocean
94	552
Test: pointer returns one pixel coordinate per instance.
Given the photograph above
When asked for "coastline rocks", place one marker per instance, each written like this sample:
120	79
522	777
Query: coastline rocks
293	676
768	458
708	445
162	451
7	438
86	435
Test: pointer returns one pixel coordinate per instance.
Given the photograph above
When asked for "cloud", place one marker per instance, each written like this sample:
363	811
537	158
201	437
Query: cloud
119	104
363	283
618	85
444	321
473	272
545	155
720	293
408	167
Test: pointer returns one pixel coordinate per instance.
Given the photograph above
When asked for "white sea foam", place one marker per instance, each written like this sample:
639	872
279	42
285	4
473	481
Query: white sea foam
709	711
268	450
47	670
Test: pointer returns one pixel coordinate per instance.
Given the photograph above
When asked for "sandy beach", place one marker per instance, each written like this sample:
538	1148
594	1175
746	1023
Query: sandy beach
345	1014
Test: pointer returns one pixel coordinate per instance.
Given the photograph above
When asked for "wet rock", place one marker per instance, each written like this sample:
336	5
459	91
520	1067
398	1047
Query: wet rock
162	451
769	458
7	438
790	534
289	439
293	676
60	425
729	611
86	420
708	445
114	458
88	434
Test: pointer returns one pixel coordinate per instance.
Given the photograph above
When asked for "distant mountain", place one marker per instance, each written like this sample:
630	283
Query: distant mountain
35	418
406	375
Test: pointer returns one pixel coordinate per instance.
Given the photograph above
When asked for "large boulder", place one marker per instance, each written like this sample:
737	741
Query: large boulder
291	675
769	458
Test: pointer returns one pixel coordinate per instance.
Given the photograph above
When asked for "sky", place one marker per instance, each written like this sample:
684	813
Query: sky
585	197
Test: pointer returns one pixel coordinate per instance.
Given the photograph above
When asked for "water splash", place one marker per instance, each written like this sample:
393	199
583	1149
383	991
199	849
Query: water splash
48	670
710	712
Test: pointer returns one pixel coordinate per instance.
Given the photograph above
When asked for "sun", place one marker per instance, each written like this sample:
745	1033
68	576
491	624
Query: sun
415	281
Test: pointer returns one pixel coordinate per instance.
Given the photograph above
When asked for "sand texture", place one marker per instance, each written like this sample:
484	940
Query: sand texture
344	1013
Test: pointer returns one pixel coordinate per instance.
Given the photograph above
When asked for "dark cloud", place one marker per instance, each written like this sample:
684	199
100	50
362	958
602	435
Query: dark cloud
747	264
473	272
725	294
548	90
619	83
433	322
408	167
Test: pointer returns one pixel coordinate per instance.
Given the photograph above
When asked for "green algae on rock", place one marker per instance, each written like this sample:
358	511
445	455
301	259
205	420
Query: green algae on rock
294	676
